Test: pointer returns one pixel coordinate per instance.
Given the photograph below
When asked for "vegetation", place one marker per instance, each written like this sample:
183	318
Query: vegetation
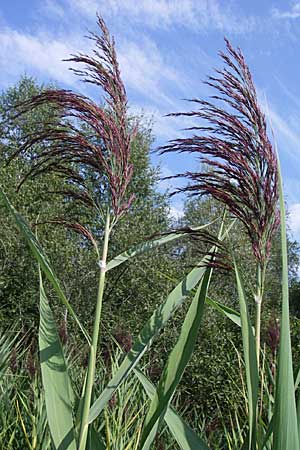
128	333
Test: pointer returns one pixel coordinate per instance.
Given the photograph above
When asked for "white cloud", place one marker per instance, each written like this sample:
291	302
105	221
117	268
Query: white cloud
200	14
282	130
281	127
143	67
291	95
176	212
293	13
294	219
145	70
53	8
87	7
20	52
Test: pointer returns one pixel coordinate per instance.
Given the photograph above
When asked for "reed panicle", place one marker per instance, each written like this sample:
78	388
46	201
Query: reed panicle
232	142
84	136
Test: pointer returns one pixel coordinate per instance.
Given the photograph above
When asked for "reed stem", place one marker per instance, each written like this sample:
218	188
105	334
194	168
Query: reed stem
95	337
258	301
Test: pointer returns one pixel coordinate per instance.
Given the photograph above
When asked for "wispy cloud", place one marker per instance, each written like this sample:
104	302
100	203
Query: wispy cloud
292	13
52	8
145	70
283	129
291	95
26	52
144	67
200	14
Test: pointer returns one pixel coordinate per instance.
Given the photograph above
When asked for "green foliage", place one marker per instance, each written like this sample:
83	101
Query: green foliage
18	276
139	299
57	385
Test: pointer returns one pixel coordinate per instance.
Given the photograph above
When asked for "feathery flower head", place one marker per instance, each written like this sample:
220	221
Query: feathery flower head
85	137
234	145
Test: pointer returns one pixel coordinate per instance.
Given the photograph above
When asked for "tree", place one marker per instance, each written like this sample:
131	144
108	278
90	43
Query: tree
18	275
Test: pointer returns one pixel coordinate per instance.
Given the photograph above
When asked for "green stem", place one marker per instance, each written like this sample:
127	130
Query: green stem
257	327
93	348
258	301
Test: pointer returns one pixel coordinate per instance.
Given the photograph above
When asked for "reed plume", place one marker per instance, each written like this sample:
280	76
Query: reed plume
232	142
85	137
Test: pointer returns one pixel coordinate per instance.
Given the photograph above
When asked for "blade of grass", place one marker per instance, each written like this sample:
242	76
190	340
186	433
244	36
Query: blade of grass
94	441
297	382
285	430
23	426
42	259
250	360
152	327
176	364
186	438
268	434
230	313
150	330
149	245
177	360
57	386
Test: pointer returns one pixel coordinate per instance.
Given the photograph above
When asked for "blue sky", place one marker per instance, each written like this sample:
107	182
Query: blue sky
166	48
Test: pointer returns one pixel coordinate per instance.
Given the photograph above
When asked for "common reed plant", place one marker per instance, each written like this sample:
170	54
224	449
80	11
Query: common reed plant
71	152
243	174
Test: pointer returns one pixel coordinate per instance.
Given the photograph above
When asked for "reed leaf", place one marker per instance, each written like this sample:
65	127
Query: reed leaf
150	245
150	330
285	431
228	312
250	361
176	364
41	257
57	386
186	438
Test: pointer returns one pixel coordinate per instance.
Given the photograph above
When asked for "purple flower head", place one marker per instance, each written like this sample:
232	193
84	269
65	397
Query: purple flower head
232	142
85	137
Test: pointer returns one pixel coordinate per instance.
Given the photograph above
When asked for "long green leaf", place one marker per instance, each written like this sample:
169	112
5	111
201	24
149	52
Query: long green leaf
151	329
94	441
228	312
186	438
285	433
176	364
153	326
56	383
150	245
41	258
298	417
250	360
